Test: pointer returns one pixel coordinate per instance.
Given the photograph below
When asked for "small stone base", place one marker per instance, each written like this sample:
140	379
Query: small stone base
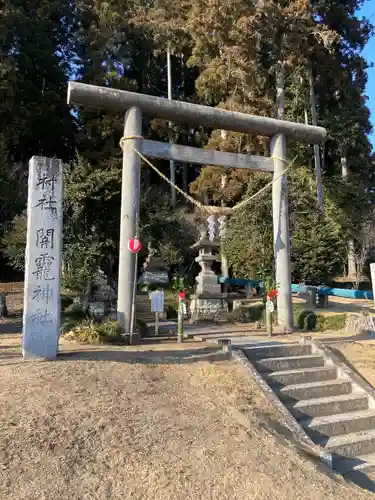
132	338
210	308
360	324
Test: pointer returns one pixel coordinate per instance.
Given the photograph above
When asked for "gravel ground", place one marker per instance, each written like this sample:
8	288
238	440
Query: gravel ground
361	356
169	423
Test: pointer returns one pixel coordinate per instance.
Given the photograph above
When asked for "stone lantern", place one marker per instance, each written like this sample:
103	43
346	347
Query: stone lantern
208	301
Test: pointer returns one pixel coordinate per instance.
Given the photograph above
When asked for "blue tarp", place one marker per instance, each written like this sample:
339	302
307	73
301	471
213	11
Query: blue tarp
323	290
337	292
239	281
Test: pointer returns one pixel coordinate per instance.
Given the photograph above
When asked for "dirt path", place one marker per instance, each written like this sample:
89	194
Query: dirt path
164	424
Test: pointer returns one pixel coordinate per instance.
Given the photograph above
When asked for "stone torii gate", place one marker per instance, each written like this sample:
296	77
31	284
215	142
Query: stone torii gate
133	104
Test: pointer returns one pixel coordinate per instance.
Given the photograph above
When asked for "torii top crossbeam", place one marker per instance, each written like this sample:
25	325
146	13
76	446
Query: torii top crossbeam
177	111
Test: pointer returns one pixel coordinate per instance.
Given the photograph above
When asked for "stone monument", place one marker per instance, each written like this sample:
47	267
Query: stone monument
154	269
41	316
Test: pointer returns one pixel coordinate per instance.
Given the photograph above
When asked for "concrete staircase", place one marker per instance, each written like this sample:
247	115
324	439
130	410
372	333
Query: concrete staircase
334	406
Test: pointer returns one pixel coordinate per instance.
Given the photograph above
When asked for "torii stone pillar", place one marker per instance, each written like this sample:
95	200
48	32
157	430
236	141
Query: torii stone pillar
281	233
130	202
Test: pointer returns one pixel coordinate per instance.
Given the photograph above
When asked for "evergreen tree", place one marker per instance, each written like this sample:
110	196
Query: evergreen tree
36	55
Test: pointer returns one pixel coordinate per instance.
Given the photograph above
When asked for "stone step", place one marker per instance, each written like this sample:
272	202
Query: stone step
332	405
314	390
351	445
342	423
303	376
276	351
290	363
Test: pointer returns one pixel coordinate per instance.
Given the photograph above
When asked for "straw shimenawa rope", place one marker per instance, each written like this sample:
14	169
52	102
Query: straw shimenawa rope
198	204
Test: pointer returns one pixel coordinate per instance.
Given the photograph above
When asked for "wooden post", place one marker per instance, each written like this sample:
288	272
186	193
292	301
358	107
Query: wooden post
281	219
269	322
133	320
180	322
156	323
130	201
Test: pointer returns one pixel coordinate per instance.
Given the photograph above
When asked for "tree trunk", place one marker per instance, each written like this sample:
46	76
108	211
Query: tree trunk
86	298
172	168
318	166
352	271
185	185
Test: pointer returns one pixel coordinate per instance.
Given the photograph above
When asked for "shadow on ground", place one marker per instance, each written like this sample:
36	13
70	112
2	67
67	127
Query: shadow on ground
209	354
15	327
362	480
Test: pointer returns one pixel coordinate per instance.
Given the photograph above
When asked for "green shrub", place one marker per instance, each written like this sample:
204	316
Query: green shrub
255	312
66	301
308	320
141	327
298	309
86	332
320	323
72	316
305	319
90	332
109	330
171	311
246	314
239	315
74	309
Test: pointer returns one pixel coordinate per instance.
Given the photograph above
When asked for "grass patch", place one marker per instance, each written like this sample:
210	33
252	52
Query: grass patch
334	322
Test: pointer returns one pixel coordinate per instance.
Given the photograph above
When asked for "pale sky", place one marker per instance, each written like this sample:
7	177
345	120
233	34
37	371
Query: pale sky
368	10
